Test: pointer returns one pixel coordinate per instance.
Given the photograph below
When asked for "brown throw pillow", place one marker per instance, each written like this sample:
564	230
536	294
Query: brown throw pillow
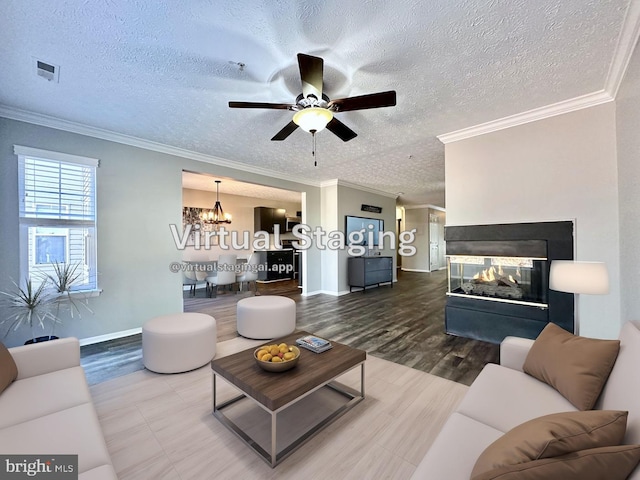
612	463
577	367
8	368
553	435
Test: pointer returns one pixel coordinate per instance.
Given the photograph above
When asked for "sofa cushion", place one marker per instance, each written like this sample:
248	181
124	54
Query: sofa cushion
552	436
622	390
455	449
504	398
8	369
34	397
577	367
74	431
46	357
612	463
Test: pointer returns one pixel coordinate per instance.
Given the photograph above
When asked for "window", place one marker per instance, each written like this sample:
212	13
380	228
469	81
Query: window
57	214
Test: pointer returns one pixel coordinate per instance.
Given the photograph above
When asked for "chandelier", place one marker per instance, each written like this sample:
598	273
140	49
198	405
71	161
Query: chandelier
216	216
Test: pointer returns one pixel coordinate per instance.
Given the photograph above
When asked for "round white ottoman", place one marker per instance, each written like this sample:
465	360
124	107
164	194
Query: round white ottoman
179	342
265	317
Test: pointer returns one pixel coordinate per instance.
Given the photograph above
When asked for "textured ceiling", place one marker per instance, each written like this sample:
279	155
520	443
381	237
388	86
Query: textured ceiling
229	186
164	71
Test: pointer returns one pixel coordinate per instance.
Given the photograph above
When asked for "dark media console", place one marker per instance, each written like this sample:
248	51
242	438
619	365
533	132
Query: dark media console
368	271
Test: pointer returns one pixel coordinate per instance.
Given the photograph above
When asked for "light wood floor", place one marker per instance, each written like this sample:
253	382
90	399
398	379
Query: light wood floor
161	427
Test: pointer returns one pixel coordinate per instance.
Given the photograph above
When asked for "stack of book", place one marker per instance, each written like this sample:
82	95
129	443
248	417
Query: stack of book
313	343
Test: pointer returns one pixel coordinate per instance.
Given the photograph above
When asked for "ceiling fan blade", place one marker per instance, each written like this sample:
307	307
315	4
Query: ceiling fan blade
341	130
311	69
285	132
278	106
362	102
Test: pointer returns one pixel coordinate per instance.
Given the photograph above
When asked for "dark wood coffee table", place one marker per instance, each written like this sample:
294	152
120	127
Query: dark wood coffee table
276	392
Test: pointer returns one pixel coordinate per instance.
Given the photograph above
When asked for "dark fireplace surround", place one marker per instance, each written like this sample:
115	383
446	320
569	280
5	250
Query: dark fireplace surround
491	319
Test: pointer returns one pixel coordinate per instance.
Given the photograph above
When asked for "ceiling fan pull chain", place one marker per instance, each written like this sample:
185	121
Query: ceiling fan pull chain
313	152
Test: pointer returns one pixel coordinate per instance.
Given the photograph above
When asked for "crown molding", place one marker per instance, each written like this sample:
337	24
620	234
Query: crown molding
427	205
344	183
627	42
566	106
73	127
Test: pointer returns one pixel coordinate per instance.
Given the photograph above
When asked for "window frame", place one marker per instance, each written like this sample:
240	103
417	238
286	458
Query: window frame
86	222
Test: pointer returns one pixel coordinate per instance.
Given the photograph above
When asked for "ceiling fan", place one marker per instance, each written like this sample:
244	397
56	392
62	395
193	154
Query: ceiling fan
314	110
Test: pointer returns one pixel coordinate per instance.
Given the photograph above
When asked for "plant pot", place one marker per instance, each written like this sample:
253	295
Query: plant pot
45	338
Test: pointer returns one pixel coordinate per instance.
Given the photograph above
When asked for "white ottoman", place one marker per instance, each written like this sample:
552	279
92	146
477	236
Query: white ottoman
179	342
266	317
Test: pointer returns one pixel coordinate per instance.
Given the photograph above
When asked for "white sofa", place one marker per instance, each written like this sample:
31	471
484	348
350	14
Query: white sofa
48	409
503	396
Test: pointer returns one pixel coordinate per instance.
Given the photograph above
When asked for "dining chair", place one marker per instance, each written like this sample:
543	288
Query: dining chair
225	274
191	276
250	272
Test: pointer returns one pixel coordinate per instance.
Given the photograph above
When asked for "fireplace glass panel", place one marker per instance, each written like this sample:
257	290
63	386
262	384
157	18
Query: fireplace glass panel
499	278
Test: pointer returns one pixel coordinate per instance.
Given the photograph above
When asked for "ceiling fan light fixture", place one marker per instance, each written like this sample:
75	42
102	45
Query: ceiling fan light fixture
313	119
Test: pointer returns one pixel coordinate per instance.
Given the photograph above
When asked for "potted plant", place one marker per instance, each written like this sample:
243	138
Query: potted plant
29	305
62	281
36	305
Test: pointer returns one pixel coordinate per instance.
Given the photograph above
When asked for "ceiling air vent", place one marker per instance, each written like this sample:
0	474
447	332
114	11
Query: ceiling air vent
47	70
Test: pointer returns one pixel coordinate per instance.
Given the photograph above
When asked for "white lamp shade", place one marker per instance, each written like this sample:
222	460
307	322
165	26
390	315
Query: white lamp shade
313	118
579	277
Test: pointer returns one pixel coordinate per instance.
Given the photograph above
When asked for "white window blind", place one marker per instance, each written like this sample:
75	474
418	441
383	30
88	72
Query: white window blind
57	214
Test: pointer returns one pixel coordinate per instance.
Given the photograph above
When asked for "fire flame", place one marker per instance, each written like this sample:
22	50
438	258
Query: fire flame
490	275
486	275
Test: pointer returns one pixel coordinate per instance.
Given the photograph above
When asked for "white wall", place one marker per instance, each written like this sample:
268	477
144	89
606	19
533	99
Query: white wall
139	194
560	168
418	219
330	270
440	260
627	122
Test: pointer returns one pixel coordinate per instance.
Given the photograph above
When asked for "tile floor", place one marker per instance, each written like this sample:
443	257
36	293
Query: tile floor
161	426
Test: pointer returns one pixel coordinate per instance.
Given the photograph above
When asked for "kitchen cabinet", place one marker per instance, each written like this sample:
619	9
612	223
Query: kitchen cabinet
265	218
277	265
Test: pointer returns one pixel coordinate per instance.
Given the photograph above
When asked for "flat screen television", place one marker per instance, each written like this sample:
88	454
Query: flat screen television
354	224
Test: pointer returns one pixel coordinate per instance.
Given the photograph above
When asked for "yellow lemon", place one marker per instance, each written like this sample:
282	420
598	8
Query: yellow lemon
276	359
266	357
289	356
283	348
274	350
261	353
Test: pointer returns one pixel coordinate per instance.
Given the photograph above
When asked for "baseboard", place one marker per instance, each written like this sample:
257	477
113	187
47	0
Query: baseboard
110	336
311	294
326	292
415	270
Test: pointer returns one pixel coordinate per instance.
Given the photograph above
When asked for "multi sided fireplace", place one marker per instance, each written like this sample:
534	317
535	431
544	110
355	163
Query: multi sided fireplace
498	279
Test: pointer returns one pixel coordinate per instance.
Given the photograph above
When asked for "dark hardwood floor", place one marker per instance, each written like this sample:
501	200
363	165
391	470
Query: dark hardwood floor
403	324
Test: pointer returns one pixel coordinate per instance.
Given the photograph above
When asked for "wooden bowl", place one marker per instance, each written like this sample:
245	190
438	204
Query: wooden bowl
278	366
